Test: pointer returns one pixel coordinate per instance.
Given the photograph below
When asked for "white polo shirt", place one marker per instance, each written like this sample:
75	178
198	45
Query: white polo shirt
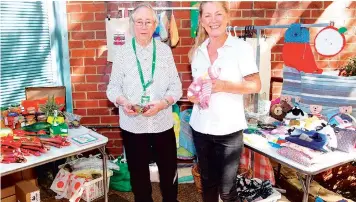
225	114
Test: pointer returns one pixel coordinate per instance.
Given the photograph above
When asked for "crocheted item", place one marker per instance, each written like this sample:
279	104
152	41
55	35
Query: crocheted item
251	189
295	155
310	139
296	34
202	88
297	52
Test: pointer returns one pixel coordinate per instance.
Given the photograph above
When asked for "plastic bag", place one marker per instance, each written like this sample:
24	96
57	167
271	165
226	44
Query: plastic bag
92	162
120	181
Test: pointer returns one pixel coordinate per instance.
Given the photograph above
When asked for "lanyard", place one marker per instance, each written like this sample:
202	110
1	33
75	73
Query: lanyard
145	85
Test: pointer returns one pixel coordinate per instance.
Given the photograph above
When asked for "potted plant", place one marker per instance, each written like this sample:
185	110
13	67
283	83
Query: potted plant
349	69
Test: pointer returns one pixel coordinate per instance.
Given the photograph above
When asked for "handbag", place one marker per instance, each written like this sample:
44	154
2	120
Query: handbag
120	180
346	137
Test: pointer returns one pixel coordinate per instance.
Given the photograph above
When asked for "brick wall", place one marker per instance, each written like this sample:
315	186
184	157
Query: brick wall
90	72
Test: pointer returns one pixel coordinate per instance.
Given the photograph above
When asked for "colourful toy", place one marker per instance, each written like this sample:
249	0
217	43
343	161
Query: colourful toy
330	41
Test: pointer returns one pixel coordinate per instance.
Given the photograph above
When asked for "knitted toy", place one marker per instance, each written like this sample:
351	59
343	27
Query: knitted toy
201	87
297	52
330	41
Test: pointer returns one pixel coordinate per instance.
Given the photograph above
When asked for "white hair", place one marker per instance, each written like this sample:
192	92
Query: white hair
132	16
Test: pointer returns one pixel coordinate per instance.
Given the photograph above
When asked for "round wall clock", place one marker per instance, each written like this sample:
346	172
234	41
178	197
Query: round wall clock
330	41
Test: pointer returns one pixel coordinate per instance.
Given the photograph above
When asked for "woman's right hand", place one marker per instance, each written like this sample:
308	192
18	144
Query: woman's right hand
193	99
127	108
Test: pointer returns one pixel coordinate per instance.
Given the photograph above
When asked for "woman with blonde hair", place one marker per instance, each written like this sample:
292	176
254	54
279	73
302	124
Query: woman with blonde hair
217	129
144	74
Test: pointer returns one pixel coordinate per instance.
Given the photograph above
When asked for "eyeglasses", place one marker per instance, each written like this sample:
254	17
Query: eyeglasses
140	23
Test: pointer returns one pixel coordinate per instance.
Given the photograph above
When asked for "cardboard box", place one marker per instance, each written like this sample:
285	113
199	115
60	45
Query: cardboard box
27	191
7	191
9	199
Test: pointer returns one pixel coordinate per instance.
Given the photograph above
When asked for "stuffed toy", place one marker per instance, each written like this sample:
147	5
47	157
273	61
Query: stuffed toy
330	41
277	112
297	52
201	87
296	113
286	107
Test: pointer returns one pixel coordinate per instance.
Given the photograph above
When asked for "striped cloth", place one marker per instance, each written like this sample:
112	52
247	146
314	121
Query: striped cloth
291	88
333	93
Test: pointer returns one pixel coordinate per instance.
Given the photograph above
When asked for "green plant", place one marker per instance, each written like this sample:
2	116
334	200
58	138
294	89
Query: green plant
350	68
50	107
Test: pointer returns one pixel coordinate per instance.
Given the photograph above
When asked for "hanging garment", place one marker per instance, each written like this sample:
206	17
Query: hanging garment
264	65
174	35
117	32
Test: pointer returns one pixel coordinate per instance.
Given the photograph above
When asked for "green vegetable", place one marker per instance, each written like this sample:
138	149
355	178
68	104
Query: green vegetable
37	127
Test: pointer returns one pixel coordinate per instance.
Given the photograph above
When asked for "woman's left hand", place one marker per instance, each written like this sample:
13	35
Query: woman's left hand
155	107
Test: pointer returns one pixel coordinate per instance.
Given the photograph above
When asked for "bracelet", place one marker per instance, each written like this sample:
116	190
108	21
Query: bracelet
167	102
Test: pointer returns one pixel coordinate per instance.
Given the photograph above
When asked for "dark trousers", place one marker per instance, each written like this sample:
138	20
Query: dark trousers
218	159
140	150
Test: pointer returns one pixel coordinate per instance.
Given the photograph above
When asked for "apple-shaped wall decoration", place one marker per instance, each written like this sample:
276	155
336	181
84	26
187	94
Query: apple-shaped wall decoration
330	41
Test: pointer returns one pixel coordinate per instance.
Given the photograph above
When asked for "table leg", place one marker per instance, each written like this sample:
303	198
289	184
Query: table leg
305	182
105	173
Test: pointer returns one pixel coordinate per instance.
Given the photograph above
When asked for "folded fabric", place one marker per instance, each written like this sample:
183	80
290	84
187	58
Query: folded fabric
251	189
295	155
310	139
311	153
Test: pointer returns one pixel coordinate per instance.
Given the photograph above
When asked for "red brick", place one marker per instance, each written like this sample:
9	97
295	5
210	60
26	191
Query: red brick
90	120
97	78
96	61
288	4
81	112
100	34
76	62
186	84
83	52
176	3
100	16
276	13
309	21
82	35
183	67
184	32
306	14
185	23
186	41
276	65
94	43
184	59
278	57
81	17
77	78
176	58
86	103
75	44
110	119
316	13
72	8
242	5
84	70
181	50
96	95
346	55
103	69
94	25
79	96
112	6
351	6
235	13
115	151
75	26
277	73
182	14
102	52
85	87
106	103
98	111
187	77
102	87
111	134
241	22
264	5
261	22
311	4
253	13
277	48
93	7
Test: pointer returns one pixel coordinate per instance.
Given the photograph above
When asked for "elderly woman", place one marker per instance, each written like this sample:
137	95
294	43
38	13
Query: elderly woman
144	74
217	129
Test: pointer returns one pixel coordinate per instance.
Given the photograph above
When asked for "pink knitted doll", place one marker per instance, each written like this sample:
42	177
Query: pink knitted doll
201	88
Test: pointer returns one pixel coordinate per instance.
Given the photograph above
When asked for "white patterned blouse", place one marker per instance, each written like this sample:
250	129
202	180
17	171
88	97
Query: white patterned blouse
125	81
